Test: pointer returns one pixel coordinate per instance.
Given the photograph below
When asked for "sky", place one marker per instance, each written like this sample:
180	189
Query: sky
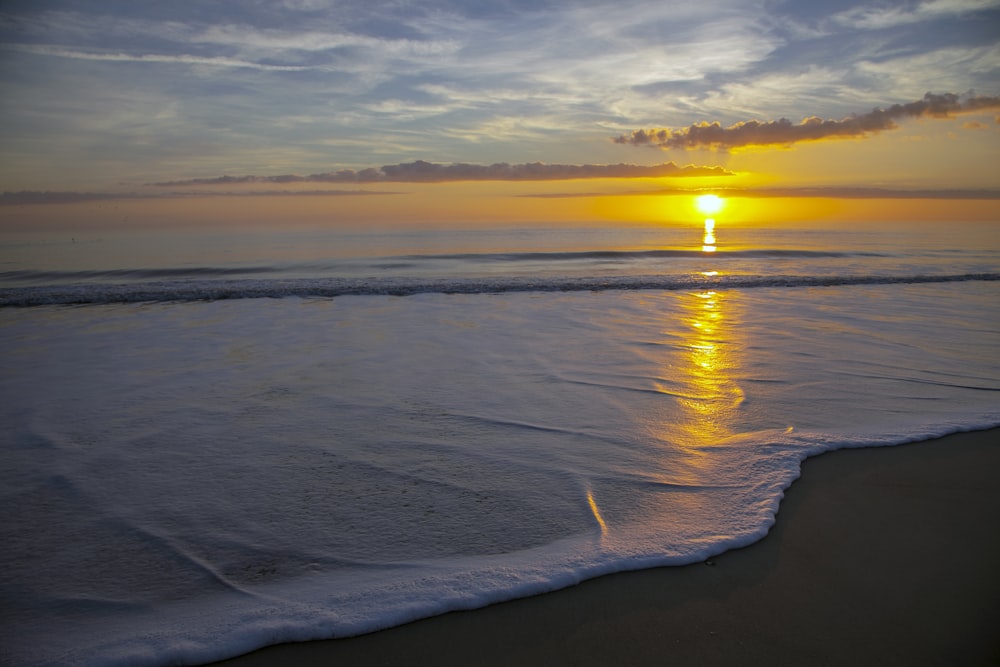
538	102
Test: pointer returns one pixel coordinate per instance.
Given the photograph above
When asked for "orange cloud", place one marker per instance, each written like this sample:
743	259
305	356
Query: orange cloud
783	132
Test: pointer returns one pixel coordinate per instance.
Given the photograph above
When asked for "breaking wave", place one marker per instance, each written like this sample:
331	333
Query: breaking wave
218	289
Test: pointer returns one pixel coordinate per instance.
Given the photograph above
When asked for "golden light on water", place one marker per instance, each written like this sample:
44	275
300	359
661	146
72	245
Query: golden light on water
701	382
596	512
711	393
709	205
708	241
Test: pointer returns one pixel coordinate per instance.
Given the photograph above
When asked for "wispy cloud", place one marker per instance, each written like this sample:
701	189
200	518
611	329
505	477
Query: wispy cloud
279	41
913	72
100	92
888	16
430	172
214	61
782	132
109	37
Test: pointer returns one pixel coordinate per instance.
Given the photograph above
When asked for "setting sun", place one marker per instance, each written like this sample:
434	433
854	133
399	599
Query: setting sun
709	204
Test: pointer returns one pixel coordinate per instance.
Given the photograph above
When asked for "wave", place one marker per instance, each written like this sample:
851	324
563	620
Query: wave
404	261
131	274
213	290
625	255
38	276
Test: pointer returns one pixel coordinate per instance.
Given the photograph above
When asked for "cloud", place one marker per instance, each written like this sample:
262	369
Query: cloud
848	192
832	192
27	197
881	17
183	59
30	197
430	172
785	133
280	41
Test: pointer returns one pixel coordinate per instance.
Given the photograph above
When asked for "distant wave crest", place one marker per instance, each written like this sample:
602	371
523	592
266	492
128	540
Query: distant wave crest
211	290
179	272
627	255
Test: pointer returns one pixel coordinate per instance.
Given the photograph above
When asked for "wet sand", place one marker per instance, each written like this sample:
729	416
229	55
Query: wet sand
885	556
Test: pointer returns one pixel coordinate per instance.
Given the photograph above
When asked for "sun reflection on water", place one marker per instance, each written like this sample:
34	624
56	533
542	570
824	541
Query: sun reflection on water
708	240
711	395
595	510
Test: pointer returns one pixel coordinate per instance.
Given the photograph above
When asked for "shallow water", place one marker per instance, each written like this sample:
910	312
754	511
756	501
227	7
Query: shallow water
190	479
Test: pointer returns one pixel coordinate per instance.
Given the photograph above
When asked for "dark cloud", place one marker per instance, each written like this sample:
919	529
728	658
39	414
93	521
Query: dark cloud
25	197
430	172
28	197
785	133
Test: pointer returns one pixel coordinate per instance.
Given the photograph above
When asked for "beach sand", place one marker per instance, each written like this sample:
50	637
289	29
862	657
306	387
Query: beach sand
886	556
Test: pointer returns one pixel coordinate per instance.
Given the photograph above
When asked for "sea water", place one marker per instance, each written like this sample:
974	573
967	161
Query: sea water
215	442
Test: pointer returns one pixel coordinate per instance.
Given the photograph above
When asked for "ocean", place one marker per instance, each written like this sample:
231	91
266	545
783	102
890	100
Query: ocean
217	439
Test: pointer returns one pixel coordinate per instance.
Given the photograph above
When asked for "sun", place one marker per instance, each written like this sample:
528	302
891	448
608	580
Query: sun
709	204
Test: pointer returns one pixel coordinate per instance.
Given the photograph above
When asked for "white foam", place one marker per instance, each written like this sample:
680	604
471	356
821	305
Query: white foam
207	478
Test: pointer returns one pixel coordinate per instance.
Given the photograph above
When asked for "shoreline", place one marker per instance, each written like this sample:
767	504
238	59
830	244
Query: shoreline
881	555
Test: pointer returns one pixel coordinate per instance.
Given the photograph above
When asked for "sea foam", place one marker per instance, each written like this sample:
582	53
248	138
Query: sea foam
203	478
